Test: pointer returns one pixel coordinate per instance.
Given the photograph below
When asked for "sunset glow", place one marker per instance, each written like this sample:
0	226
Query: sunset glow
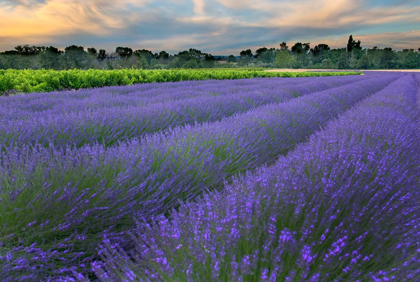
219	27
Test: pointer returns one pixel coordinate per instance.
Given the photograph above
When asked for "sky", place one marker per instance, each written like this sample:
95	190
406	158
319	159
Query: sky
219	27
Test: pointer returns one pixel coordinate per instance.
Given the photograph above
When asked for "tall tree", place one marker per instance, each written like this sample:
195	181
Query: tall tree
319	53
306	47
19	49
208	60
163	55
283	59
320	49
343	61
51	58
124	52
53	50
231	59
298	49
27	50
388	58
74	48
246	56
283	46
196	54
76	57
350	43
246	53
356	46
101	55
353	45
299	52
92	51
269	56
409	59
147	54
363	62
260	51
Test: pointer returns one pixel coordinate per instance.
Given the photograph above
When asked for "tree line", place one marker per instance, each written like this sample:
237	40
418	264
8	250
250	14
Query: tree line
300	55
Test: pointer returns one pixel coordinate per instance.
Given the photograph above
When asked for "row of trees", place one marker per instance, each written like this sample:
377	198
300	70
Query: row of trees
39	57
300	55
353	56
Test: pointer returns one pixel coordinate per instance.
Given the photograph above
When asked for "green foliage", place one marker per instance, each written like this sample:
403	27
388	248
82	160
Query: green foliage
6	83
408	59
283	59
353	62
231	59
296	62
191	64
364	62
300	55
328	64
51	80
388	59
343	61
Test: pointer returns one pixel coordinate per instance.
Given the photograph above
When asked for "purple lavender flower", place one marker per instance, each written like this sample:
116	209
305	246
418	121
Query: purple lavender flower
101	116
67	199
349	196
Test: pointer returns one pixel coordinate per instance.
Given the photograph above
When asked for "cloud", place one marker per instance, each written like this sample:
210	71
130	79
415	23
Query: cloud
58	17
218	26
199	6
26	3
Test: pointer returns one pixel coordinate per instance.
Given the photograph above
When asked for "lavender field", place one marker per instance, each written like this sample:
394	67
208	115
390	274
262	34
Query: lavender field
264	179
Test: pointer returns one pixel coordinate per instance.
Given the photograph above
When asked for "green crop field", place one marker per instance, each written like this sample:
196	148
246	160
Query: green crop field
25	81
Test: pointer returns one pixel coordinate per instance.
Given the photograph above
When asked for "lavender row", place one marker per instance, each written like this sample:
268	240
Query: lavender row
105	97
342	207
110	125
24	106
91	97
69	198
417	78
118	97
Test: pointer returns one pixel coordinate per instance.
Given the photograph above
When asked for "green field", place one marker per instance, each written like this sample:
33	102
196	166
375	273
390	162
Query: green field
26	81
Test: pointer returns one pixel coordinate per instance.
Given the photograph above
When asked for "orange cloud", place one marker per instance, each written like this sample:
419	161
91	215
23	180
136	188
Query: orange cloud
179	24
58	17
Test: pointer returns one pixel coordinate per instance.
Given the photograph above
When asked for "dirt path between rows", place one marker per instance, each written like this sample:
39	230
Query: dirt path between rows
303	70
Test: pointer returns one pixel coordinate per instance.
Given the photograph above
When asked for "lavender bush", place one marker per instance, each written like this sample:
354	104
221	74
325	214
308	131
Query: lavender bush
58	204
342	207
24	106
105	123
